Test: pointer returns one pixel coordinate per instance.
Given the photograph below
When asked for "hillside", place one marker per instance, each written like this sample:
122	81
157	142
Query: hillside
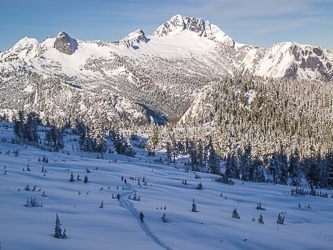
308	220
157	74
266	113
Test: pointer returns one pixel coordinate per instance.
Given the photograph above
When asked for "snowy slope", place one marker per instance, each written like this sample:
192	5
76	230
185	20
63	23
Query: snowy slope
117	225
177	38
161	71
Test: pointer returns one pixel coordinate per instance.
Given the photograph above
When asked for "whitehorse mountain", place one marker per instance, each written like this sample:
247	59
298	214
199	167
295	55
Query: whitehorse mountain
140	78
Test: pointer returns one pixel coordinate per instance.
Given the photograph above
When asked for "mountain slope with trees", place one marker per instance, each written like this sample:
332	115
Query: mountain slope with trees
140	78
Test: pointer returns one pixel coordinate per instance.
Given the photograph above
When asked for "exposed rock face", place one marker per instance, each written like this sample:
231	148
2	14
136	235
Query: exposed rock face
312	58
65	44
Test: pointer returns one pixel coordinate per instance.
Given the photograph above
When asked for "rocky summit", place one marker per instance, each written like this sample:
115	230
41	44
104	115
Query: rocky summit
140	78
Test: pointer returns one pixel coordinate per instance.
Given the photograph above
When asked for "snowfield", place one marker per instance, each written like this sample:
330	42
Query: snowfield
117	225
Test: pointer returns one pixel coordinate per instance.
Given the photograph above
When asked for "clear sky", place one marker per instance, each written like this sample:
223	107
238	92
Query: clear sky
259	22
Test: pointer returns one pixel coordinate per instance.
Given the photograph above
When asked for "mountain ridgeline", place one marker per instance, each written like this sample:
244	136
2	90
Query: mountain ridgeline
142	79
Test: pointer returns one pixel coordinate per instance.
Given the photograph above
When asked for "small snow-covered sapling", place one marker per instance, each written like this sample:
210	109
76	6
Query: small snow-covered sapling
235	214
280	219
71	179
259	207
164	219
194	206
261	219
27	188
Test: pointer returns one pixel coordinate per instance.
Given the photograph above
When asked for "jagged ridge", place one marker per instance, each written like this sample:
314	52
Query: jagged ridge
161	72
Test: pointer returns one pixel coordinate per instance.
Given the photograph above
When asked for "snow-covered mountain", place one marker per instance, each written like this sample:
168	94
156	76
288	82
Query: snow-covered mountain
160	73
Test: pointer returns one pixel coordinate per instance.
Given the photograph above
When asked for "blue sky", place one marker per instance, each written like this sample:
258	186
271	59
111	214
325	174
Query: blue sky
259	22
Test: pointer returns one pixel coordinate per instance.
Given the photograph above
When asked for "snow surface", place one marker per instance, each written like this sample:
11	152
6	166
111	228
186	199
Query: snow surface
117	225
179	38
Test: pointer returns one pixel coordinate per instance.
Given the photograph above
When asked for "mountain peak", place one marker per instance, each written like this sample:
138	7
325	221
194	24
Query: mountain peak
137	35
178	24
133	37
25	42
65	44
173	26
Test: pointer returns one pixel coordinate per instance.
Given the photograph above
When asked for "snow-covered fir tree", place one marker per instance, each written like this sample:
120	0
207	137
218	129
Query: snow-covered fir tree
57	230
295	168
213	160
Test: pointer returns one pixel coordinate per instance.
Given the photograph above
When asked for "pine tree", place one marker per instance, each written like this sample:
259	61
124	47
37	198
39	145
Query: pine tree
99	138
247	169
200	153
19	126
228	166
57	229
72	177
64	234
283	167
150	147
311	172
31	127
192	150
329	165
280	219
174	149
164	218
194	206
274	166
213	161
155	138
323	170
118	143
129	151
102	205
258	170
60	138
168	153
295	168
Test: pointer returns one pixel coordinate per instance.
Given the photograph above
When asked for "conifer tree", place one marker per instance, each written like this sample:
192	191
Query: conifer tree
194	206
329	165
295	168
19	126
280	219
311	172
150	147
155	138
57	229
99	138
192	150
168	153
247	170
72	177
213	159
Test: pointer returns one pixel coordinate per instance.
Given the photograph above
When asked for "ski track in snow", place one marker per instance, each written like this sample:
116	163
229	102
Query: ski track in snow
129	206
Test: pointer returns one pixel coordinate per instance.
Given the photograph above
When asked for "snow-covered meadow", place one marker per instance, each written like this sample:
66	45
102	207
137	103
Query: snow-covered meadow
117	224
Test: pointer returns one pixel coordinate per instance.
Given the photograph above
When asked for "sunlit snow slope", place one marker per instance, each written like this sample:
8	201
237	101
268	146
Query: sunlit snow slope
117	224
